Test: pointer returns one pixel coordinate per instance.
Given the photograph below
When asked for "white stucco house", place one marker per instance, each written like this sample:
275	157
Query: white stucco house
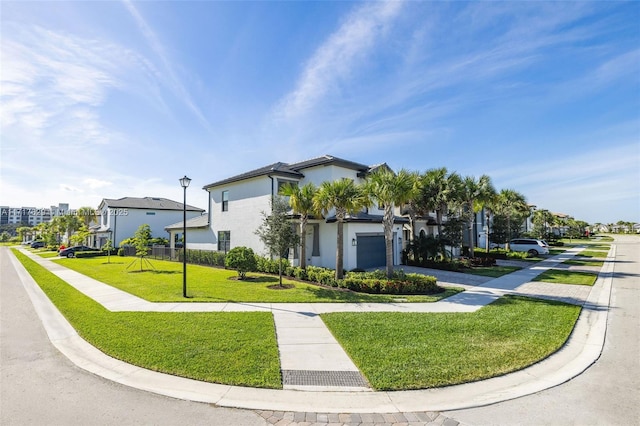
119	219
236	205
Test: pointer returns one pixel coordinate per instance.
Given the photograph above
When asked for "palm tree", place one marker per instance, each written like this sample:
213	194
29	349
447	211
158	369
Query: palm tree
412	206
389	190
346	198
301	201
88	215
474	194
510	203
438	192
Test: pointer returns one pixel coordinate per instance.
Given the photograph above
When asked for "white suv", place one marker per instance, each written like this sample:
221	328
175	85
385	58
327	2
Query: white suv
532	246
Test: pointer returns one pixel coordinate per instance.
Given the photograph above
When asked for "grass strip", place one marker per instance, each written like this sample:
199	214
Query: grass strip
163	283
492	271
592	253
561	276
228	348
584	262
398	351
47	254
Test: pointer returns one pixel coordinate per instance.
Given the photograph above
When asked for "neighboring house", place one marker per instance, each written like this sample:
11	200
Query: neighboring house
199	234
237	204
119	219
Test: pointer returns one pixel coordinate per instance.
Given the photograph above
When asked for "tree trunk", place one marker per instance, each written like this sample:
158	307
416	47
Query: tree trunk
472	218
339	250
388	238
303	242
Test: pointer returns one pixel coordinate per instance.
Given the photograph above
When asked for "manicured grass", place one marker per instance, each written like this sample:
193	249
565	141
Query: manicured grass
561	276
228	348
206	284
592	253
604	247
414	351
47	254
555	251
584	262
492	271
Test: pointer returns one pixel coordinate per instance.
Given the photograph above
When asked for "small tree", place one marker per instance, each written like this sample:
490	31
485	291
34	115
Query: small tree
276	232
242	259
108	246
141	241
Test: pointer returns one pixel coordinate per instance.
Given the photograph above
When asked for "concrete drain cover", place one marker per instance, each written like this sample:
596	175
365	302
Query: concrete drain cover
323	378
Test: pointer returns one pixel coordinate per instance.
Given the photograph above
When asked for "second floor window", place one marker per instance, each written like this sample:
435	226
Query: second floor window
225	201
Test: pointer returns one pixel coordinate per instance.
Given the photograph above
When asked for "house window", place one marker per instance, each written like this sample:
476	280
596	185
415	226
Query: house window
282	183
224	241
225	201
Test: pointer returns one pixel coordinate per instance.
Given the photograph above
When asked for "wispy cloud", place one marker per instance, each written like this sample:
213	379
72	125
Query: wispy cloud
336	58
174	82
50	78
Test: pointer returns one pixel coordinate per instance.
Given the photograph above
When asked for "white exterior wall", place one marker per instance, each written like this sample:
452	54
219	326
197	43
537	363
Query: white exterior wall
247	199
197	238
200	239
124	222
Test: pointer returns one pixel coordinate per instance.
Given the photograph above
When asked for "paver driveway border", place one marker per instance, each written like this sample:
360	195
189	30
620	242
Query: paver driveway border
581	350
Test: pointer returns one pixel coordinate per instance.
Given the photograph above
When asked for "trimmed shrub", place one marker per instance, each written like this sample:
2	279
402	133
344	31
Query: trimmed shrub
409	284
82	254
270	266
204	257
242	259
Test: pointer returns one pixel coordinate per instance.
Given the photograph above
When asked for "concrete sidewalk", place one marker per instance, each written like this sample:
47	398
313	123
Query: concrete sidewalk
299	329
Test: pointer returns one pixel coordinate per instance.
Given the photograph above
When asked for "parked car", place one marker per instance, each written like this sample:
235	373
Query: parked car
37	244
71	251
530	245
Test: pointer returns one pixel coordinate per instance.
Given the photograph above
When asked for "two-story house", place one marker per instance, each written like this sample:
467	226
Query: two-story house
119	219
236	205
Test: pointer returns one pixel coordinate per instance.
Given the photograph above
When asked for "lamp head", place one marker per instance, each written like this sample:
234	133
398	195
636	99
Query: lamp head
185	181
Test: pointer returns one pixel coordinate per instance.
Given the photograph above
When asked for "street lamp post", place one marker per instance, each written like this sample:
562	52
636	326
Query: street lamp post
184	182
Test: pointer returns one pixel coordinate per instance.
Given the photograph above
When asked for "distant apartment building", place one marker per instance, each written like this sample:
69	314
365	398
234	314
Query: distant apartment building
31	216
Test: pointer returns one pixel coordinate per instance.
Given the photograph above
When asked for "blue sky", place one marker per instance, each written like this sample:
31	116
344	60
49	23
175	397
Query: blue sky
118	98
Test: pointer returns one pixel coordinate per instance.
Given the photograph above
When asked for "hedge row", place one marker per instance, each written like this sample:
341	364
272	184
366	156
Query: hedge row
81	254
375	282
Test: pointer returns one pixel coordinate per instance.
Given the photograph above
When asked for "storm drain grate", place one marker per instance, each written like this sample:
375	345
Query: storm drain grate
323	378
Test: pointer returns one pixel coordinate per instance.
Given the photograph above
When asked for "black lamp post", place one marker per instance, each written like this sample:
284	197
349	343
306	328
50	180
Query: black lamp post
184	182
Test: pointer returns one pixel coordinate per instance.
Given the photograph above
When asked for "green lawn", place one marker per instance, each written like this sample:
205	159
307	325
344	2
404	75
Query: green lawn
584	262
493	271
555	251
229	348
415	351
560	276
604	247
592	253
394	350
206	284
47	254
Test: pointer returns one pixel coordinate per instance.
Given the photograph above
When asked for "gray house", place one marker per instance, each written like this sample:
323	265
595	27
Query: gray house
119	219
